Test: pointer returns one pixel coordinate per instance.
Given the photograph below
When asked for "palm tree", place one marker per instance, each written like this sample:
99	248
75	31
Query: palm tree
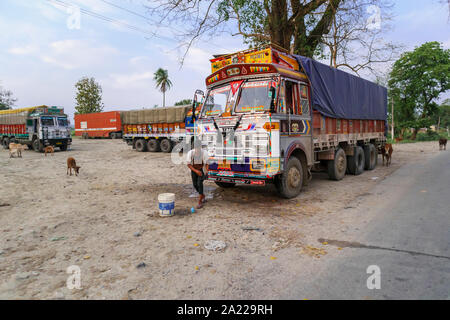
163	83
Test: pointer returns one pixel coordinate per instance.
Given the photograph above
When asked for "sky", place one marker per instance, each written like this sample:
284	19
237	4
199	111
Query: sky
44	52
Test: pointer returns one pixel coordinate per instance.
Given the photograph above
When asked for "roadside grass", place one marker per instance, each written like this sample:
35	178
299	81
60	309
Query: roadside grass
422	136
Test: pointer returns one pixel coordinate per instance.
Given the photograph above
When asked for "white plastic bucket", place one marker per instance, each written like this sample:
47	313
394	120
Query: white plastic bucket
166	204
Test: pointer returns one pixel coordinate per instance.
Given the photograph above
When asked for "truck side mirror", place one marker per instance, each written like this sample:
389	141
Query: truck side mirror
272	99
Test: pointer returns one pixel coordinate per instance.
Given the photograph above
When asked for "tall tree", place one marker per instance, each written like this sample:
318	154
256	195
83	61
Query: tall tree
416	81
6	99
304	27
88	96
163	83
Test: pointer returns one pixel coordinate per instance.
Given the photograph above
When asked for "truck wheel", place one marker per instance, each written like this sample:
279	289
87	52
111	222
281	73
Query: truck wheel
85	135
289	184
338	166
153	145
63	147
37	146
355	163
141	145
225	184
112	135
370	157
5	143
166	145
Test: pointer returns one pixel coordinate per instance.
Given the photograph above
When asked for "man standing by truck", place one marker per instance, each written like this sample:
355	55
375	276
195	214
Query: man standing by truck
197	160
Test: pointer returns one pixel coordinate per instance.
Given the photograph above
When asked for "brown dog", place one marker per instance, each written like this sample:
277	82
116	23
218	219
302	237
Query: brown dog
49	149
71	164
386	151
442	143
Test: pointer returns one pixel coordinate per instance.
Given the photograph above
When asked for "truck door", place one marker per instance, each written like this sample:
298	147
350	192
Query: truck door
296	128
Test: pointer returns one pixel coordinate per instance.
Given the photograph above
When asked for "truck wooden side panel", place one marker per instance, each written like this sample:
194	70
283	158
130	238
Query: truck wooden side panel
329	132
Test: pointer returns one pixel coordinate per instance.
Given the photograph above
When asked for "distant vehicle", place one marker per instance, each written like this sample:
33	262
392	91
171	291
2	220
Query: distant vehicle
36	127
160	129
273	117
99	124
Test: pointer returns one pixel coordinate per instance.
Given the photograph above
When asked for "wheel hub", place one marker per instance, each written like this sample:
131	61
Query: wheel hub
294	177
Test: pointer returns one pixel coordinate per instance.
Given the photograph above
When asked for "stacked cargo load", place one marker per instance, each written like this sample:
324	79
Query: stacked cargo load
156	129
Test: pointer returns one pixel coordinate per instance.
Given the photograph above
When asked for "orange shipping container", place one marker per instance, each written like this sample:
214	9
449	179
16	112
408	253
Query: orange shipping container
100	124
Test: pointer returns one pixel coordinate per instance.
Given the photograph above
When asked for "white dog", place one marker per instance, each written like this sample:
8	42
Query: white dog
16	148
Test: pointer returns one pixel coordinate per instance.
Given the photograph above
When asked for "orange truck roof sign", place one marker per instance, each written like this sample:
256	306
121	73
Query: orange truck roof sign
267	54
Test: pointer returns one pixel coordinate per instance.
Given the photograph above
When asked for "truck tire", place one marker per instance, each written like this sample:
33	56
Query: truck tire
355	163
166	145
370	157
38	146
338	166
85	135
290	182
141	145
63	147
225	184
5	143
112	135
153	145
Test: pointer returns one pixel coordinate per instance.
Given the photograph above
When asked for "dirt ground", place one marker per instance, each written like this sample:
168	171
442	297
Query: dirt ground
106	222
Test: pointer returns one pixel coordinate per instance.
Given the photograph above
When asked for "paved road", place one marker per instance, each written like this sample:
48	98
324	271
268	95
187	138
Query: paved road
409	240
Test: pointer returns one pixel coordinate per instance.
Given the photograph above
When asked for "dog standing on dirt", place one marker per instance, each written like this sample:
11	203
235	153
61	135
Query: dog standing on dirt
49	149
16	148
386	151
442	143
71	164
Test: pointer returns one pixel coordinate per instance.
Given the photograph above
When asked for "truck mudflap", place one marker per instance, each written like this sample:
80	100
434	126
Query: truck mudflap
248	181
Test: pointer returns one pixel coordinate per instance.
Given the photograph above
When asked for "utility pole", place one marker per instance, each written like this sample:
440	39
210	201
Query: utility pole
392	114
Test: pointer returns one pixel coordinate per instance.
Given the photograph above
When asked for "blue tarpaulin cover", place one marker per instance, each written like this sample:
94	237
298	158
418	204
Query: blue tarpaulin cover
338	94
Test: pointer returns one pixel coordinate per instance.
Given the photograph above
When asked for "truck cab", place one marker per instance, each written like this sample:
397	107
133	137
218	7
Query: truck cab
48	126
256	121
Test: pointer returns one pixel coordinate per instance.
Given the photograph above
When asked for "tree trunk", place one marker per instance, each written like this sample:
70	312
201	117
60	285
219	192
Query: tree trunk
164	99
414	135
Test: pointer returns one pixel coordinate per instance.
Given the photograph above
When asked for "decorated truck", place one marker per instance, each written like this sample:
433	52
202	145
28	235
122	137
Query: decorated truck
159	129
36	127
272	117
99	124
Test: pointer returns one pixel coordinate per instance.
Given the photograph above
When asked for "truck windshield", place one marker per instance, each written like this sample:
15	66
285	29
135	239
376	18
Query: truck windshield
216	101
47	121
255	96
62	122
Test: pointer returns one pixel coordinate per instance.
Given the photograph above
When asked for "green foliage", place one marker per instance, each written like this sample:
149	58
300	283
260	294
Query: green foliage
442	116
416	82
89	96
253	19
163	83
6	99
183	102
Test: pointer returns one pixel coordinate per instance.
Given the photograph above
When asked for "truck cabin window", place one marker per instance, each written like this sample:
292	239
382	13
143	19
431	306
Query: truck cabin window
289	100
47	121
62	122
255	96
216	101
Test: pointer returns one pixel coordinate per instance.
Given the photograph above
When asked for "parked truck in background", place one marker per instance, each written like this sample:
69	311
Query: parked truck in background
36	127
160	129
272	117
157	129
99	124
